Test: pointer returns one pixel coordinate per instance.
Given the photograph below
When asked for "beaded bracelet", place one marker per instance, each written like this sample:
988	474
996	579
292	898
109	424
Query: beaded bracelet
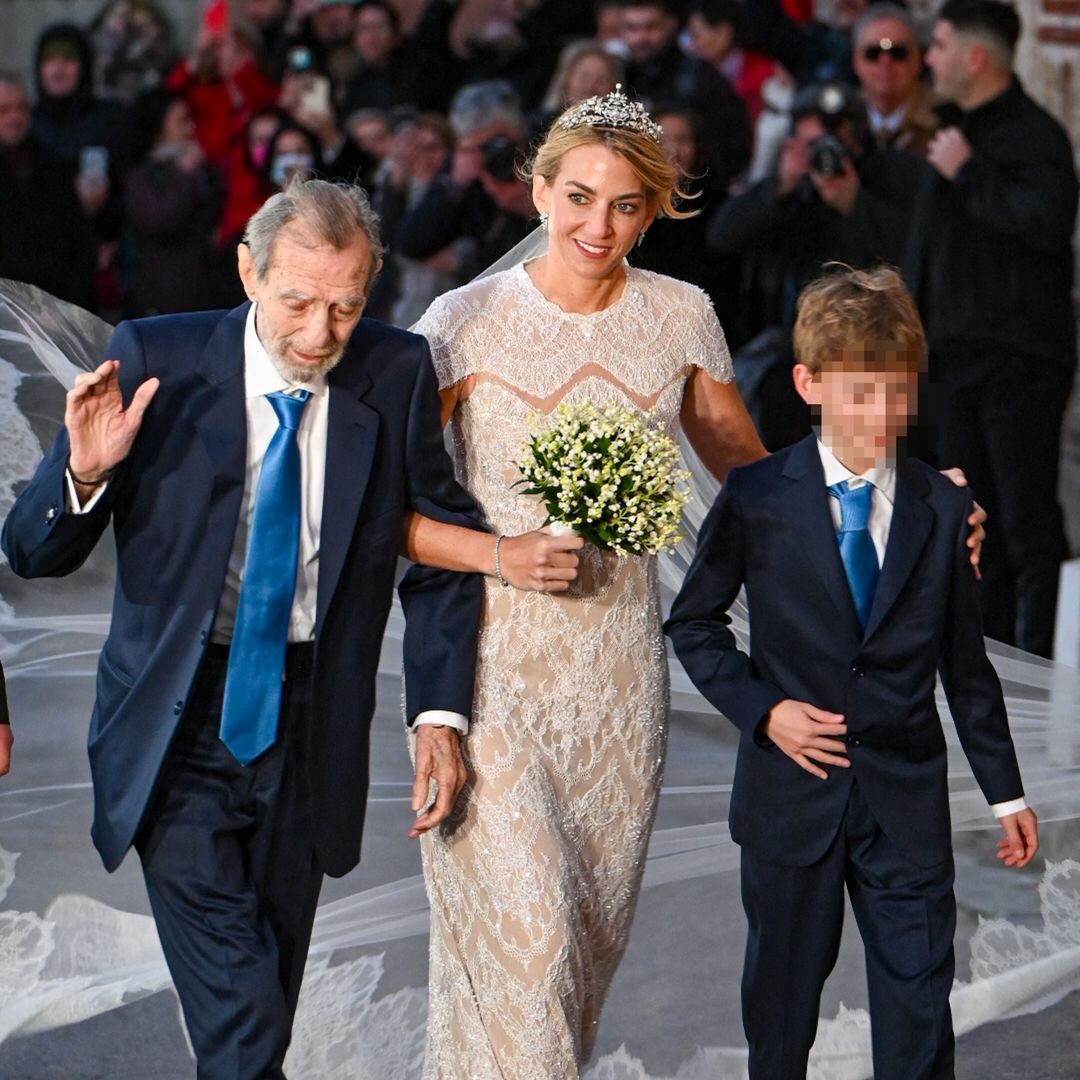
498	564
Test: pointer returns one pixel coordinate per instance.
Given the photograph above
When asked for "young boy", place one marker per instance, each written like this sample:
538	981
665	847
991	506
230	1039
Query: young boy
859	588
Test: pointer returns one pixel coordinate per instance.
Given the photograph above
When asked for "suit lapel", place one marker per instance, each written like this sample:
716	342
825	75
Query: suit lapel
219	415
351	438
806	508
912	521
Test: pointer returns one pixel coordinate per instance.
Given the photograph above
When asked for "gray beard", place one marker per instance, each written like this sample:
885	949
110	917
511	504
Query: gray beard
296	374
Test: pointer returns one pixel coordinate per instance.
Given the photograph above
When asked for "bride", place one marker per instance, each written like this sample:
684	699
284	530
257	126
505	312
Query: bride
534	878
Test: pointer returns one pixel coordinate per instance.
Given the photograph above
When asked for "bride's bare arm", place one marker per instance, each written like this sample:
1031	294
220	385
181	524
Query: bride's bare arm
717	424
533	560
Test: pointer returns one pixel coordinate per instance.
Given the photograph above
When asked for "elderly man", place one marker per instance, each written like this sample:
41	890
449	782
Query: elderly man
990	264
257	466
887	60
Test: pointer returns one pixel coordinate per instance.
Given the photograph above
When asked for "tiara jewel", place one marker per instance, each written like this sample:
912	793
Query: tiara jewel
614	110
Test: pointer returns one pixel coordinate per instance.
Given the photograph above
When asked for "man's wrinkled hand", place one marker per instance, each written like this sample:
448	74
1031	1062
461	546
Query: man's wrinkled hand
438	758
1021	839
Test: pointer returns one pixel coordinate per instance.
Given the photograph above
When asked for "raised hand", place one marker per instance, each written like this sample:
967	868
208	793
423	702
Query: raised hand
1021	839
438	758
808	734
100	429
975	518
540	561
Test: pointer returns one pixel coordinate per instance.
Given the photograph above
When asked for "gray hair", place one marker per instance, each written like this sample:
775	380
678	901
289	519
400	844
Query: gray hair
481	104
886	11
336	213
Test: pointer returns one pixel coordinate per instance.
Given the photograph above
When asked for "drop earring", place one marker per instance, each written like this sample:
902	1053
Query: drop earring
543	219
640	238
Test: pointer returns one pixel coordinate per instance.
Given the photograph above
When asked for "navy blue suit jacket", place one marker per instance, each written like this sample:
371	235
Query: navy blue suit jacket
174	504
770	529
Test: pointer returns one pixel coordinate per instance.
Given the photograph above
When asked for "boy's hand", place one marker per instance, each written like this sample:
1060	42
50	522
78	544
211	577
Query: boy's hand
1021	839
802	731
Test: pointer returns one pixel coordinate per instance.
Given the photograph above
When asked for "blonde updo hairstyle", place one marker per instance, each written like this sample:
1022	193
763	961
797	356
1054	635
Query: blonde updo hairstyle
649	161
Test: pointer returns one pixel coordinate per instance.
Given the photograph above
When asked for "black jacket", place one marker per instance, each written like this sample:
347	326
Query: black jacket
989	259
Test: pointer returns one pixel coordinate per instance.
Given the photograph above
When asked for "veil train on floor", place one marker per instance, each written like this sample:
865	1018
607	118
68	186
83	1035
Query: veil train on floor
81	958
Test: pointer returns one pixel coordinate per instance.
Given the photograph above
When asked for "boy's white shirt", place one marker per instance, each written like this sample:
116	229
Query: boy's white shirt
881	511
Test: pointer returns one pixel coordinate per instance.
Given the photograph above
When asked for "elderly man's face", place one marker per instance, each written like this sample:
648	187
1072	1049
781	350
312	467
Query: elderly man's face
887	59
14	114
310	300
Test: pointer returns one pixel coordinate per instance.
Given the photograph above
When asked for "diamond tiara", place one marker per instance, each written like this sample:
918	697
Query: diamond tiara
613	110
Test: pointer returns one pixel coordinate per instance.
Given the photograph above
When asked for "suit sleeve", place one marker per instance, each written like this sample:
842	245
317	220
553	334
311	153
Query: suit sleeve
700	627
41	537
442	607
972	687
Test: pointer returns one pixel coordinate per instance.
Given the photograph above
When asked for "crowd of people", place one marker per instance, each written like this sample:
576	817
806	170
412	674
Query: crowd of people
129	170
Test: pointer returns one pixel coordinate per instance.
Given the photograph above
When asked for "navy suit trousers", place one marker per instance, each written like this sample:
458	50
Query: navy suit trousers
907	918
228	855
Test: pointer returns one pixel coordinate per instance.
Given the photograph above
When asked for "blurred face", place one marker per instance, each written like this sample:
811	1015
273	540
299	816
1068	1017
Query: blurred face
647	31
260	132
261	12
310	301
845	12
609	25
332	23
588	77
708	41
949	58
178	126
373	135
430	150
596	208
60	75
679	140
863	410
373	35
14	114
887	60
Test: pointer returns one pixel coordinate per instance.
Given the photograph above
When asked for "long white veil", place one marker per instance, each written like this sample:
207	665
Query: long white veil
76	948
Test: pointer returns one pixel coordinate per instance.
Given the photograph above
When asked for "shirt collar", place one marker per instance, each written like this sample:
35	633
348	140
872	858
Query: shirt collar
260	375
890	122
882	477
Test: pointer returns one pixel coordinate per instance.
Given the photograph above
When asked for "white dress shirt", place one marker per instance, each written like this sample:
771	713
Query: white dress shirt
261	377
882	499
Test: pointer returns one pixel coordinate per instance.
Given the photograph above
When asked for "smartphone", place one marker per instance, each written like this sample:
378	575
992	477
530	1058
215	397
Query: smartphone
315	97
93	164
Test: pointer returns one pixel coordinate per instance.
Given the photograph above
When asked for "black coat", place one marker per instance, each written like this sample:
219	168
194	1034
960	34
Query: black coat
990	259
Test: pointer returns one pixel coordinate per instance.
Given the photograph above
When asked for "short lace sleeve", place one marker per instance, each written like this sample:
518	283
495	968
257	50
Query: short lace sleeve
708	346
445	325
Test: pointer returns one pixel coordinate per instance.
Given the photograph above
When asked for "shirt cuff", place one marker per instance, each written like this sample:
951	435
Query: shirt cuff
73	504
441	716
1013	806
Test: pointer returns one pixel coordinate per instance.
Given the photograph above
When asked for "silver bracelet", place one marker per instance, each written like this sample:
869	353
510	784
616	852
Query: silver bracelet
498	564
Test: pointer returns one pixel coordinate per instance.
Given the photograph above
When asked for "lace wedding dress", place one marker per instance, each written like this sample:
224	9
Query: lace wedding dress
534	878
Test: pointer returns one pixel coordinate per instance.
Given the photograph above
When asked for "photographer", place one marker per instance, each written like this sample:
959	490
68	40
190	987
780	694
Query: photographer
835	196
477	210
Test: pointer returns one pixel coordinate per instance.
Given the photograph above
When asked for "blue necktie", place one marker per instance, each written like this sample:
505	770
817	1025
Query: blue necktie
249	714
856	548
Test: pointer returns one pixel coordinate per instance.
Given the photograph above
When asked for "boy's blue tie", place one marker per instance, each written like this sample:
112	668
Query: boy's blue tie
856	547
249	714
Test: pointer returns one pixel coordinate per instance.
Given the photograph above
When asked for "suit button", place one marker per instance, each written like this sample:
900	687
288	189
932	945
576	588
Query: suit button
178	708
853	742
202	637
858	671
51	513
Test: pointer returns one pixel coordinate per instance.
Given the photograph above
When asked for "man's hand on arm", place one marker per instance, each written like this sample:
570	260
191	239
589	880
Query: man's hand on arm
949	151
807	735
438	758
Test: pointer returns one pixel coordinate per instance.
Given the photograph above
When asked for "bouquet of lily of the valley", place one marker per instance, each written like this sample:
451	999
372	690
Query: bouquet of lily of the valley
607	473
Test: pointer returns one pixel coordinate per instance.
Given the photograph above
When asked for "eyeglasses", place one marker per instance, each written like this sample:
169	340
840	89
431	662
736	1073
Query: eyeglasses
886	47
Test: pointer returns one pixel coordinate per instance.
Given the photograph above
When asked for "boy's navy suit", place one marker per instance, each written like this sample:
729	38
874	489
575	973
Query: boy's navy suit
771	531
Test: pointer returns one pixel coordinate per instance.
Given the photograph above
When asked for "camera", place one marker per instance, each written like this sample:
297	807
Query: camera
500	156
827	155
